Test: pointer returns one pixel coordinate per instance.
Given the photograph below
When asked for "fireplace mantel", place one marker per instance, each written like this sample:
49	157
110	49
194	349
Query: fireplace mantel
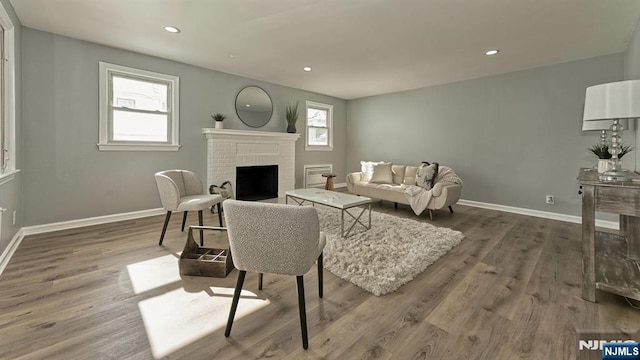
228	149
211	133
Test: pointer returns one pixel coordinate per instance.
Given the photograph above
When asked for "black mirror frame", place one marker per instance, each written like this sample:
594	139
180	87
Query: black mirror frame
270	101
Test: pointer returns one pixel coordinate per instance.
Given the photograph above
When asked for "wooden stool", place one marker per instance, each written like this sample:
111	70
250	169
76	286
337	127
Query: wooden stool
329	185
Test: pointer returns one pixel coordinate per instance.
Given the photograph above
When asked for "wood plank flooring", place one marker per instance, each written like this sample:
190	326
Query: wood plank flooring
510	290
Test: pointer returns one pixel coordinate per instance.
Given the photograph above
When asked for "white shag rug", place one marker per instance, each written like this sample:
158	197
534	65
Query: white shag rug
393	252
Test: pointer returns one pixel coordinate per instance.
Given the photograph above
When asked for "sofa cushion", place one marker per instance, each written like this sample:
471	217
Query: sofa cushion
367	169
389	192
398	173
426	175
382	174
410	175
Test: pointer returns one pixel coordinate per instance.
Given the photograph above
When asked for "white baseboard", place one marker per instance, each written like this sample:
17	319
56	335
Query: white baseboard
537	213
64	225
10	250
72	224
340	185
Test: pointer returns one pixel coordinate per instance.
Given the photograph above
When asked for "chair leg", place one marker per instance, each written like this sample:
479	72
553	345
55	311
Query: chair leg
164	228
220	213
260	281
201	223
320	275
430	214
234	303
303	311
184	220
450	209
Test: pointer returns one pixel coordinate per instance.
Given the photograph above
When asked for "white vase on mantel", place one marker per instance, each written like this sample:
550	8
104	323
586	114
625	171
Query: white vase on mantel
219	125
604	165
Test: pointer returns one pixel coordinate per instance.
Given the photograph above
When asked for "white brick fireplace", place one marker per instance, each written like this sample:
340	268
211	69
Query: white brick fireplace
227	149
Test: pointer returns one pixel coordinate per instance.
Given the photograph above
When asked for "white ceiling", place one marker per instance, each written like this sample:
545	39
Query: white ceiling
357	48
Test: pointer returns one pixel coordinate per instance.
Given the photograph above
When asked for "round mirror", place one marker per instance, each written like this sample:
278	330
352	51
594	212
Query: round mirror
253	106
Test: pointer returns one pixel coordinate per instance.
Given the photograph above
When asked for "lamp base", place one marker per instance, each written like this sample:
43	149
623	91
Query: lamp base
614	175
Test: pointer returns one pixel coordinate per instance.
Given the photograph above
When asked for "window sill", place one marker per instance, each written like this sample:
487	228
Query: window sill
318	148
142	147
8	176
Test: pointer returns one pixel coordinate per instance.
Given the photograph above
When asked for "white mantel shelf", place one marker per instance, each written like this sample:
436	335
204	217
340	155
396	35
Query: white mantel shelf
211	133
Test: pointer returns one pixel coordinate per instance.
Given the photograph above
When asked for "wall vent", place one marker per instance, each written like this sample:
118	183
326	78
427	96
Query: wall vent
313	175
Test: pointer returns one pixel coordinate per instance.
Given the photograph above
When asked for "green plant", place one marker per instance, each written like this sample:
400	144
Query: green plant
291	113
602	151
218	117
625	149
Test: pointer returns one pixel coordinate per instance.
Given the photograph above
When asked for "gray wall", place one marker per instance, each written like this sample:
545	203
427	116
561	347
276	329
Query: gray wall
11	192
66	177
632	72
512	138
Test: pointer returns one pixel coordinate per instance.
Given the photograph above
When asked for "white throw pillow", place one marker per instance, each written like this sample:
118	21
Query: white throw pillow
382	174
367	169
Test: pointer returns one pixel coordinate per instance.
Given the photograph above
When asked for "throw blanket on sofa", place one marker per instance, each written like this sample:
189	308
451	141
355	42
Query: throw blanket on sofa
419	198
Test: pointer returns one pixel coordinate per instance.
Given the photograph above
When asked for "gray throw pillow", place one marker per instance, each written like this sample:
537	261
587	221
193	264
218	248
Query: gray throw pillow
427	174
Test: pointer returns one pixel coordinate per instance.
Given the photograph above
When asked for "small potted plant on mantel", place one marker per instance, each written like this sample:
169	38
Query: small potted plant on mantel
291	114
604	156
218	118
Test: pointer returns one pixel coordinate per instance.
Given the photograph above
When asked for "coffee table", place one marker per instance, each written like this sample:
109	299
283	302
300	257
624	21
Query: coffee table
345	202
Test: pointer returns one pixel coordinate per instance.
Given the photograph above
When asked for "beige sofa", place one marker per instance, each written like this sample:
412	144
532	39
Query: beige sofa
444	194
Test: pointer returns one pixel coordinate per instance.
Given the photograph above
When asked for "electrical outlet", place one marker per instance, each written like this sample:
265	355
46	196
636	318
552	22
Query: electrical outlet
550	200
14	217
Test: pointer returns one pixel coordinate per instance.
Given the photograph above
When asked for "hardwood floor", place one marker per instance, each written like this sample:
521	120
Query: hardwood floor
510	290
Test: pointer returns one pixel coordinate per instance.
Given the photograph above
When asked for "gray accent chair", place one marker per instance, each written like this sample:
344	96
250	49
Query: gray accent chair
276	239
182	190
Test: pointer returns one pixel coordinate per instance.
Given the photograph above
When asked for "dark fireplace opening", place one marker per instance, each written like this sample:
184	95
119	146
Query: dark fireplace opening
256	182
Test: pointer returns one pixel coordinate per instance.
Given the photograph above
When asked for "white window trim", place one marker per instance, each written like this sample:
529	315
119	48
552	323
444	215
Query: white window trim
306	126
9	132
174	138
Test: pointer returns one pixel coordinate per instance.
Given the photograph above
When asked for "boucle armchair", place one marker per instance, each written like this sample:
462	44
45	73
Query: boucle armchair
181	190
277	239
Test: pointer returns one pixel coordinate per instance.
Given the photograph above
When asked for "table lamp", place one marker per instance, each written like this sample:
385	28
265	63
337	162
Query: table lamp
602	126
613	101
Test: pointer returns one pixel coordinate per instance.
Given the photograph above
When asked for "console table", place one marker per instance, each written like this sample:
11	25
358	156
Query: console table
610	262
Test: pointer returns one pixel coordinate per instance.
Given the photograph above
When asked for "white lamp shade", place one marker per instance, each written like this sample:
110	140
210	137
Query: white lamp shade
617	100
600	125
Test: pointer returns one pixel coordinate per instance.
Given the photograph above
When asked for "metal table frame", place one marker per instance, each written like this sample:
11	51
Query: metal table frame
345	210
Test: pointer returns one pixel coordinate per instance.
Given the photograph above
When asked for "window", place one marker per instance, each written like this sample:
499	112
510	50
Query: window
138	109
319	126
7	99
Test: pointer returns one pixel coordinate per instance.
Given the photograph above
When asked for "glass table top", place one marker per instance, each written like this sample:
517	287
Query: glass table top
330	198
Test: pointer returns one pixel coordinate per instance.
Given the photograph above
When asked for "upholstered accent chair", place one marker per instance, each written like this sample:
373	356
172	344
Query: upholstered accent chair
277	239
182	190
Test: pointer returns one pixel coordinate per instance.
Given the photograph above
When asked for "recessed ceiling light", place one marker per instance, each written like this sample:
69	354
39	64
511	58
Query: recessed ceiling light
248	105
307	68
171	29
491	52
